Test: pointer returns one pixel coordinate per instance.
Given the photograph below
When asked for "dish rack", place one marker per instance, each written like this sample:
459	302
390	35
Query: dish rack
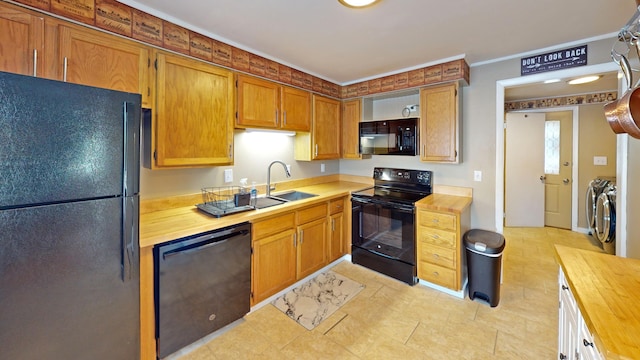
226	200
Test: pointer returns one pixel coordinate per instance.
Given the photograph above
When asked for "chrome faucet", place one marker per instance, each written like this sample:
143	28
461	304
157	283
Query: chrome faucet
286	171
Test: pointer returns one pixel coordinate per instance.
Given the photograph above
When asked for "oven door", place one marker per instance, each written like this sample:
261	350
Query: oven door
383	228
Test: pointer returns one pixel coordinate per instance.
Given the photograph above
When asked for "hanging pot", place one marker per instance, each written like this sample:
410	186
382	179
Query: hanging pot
623	114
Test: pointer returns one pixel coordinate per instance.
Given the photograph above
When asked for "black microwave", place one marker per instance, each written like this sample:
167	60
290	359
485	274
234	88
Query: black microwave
389	137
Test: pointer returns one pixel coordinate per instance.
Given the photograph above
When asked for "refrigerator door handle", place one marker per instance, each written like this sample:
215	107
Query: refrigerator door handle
131	172
129	236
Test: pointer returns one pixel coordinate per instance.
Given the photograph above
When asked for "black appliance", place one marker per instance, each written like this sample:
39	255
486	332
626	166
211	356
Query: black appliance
202	283
389	137
383	232
69	256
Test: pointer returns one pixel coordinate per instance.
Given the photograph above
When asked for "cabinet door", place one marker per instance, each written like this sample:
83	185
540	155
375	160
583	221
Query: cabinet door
21	36
296	109
326	128
91	58
311	247
274	264
258	102
351	115
336	236
439	123
194	113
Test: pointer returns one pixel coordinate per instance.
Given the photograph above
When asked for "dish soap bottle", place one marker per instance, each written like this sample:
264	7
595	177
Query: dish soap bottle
254	193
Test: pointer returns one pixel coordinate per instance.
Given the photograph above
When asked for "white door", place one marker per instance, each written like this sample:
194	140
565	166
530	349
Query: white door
558	169
524	170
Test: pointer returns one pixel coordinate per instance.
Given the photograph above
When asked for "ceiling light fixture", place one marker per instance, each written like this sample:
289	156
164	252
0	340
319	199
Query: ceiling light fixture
357	3
584	80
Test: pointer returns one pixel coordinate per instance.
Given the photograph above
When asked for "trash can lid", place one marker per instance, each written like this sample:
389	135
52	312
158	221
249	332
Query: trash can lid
483	241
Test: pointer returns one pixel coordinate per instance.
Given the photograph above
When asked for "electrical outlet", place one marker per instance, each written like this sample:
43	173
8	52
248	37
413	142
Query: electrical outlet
289	168
477	175
600	160
228	175
322	168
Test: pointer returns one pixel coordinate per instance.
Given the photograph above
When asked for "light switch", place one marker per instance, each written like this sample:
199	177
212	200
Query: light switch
477	175
228	175
600	160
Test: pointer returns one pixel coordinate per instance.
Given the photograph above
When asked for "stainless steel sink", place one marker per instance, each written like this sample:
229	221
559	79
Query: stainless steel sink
281	198
265	202
292	195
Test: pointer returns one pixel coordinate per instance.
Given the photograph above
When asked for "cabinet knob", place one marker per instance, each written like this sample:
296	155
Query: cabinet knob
435	273
563	356
564	287
586	343
435	236
436	256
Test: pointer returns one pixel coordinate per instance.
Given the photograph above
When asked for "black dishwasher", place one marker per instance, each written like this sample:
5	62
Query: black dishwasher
202	283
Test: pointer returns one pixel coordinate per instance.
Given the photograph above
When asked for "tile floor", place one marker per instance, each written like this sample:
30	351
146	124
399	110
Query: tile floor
391	320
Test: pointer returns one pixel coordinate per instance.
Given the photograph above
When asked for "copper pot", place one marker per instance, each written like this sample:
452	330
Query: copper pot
623	114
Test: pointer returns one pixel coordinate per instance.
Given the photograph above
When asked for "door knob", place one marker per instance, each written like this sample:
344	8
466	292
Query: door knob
542	178
565	181
566	163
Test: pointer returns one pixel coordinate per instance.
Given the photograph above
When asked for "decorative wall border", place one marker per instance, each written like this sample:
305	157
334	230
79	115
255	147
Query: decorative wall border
124	20
559	101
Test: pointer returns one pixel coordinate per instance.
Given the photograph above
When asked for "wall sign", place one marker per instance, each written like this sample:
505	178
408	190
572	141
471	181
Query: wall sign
556	60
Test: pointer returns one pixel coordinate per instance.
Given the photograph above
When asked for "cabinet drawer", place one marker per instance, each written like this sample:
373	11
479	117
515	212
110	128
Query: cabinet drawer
312	213
437	237
336	206
437	274
437	255
274	225
437	220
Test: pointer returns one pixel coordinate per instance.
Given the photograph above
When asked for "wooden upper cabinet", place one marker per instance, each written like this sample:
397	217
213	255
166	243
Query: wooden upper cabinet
326	128
193	116
258	102
92	58
323	142
22	41
351	116
439	124
296	109
265	104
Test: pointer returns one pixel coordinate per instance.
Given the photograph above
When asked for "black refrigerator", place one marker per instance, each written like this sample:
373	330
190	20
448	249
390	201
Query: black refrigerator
69	210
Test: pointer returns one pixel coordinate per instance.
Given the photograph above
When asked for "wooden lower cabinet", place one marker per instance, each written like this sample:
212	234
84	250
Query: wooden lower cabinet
337	231
311	247
274	264
287	248
440	252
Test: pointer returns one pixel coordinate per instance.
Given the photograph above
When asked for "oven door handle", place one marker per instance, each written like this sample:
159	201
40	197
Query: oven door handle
381	254
397	207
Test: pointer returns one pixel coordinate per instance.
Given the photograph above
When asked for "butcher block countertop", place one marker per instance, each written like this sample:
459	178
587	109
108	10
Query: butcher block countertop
175	223
444	202
607	290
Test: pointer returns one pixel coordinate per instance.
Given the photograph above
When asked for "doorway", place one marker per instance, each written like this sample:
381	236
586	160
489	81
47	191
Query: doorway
539	168
501	85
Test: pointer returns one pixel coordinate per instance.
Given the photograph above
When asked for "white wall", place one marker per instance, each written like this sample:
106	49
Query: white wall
253	152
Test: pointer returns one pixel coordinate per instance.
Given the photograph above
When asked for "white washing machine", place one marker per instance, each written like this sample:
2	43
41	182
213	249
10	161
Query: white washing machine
594	189
605	218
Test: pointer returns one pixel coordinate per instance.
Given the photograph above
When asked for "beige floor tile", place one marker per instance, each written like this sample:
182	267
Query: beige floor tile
316	346
389	319
273	324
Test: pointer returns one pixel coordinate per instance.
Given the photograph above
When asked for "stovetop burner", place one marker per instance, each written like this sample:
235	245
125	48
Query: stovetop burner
398	185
